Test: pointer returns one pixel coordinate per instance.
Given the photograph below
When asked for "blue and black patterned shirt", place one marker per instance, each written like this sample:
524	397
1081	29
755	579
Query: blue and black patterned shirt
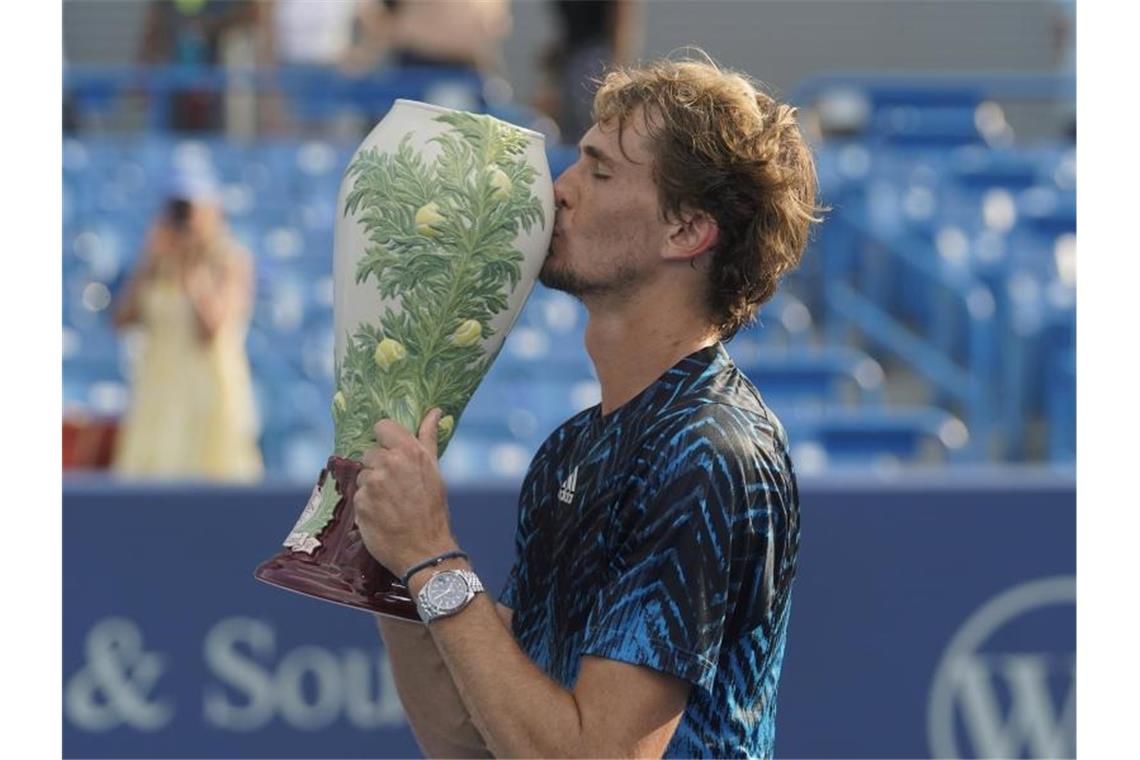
665	534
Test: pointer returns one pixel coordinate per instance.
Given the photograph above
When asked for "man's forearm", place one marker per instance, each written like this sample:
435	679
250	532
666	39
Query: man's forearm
438	716
518	710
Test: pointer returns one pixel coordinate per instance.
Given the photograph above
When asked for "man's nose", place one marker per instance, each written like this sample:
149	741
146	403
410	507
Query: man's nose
562	190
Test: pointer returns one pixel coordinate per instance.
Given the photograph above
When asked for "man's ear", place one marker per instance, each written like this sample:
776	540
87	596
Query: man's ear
696	232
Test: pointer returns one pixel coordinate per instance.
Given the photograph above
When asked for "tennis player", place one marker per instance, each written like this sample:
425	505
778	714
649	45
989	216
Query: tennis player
647	609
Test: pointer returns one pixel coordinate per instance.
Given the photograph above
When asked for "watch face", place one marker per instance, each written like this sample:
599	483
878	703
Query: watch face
447	591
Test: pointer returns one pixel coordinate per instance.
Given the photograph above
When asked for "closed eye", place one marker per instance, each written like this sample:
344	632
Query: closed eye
599	159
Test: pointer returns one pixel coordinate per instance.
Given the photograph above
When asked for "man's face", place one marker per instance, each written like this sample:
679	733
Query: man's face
608	229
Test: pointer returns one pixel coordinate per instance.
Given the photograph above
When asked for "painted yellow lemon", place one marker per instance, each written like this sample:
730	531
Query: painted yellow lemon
467	334
501	182
428	218
388	352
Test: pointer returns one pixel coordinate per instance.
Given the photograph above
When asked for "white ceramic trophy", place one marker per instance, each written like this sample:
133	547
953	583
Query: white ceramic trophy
445	219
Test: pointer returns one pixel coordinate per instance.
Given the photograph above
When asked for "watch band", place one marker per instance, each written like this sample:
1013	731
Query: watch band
429	612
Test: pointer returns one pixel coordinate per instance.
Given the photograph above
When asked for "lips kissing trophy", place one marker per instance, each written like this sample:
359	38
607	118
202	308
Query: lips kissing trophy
445	219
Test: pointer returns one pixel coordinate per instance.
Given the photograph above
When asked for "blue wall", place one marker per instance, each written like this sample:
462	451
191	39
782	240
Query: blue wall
930	615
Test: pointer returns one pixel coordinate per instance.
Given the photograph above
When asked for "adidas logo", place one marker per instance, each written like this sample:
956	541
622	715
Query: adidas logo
566	491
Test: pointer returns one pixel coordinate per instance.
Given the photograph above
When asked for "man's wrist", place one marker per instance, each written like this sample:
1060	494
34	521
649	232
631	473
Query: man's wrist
428	561
420	579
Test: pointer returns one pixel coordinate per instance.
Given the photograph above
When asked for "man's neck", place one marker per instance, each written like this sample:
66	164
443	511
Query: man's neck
633	346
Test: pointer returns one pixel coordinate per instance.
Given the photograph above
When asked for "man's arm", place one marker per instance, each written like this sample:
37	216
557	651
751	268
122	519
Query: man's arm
614	710
438	716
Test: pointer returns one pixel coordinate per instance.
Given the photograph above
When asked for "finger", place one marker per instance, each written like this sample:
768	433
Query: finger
360	505
372	458
429	431
389	432
361	482
368	474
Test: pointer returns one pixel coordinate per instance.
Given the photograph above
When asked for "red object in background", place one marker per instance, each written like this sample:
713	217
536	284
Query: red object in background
88	442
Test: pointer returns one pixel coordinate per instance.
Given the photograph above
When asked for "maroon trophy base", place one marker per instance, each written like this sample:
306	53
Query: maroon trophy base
340	569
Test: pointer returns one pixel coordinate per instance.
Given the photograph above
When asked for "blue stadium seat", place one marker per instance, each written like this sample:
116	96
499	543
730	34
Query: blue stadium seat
864	436
812	377
785	320
926	125
484	462
982	168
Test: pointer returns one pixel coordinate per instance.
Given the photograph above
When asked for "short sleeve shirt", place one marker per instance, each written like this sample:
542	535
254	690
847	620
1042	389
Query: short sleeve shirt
665	534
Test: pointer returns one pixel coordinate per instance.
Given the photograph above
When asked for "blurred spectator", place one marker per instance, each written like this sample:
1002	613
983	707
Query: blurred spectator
453	33
190	33
308	32
192	408
592	35
1063	44
303	38
1063	34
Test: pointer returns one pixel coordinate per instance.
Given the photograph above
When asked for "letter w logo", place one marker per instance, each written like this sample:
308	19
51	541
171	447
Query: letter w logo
1031	722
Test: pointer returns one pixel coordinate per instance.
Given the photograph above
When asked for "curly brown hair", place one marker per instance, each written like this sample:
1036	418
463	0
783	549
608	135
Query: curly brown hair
722	146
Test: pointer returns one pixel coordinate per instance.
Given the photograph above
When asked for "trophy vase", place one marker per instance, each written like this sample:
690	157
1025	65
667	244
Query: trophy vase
445	218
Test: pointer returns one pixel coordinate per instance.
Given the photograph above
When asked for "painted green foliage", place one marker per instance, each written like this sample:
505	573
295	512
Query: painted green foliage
329	496
442	243
318	512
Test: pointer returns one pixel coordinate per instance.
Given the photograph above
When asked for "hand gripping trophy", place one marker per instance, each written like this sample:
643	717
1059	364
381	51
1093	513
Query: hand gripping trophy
445	219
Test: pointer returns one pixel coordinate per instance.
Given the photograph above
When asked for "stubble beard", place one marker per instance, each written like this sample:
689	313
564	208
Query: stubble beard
559	276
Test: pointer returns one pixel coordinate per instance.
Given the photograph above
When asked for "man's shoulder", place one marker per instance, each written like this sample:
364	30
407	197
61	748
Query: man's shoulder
728	416
721	432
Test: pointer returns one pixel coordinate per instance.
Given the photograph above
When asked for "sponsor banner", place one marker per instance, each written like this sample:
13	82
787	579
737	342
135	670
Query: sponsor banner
933	620
930	618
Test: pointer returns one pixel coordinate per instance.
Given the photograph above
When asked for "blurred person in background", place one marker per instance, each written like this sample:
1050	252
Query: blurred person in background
449	33
592	34
1063	46
308	32
305	37
192	408
190	33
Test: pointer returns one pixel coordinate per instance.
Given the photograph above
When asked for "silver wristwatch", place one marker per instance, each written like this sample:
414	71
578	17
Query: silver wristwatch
446	593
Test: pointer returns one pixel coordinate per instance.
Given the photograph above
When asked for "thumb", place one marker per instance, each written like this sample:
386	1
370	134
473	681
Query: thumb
429	431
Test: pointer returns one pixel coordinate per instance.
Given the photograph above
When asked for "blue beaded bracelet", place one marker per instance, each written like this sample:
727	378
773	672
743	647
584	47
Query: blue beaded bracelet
431	563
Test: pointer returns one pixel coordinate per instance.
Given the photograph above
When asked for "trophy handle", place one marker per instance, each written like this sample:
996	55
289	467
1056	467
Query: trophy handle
339	568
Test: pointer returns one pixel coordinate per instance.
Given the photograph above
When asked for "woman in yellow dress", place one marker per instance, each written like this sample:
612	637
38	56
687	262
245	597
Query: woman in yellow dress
192	411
